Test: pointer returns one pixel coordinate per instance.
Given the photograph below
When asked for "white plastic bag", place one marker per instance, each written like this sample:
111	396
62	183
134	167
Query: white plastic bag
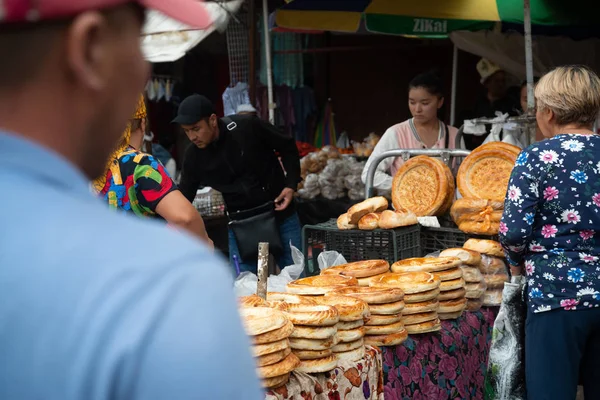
329	259
246	283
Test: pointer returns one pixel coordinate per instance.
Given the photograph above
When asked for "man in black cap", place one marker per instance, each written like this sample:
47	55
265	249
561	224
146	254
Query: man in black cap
236	155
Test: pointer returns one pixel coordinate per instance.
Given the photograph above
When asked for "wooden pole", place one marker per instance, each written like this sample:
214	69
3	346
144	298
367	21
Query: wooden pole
263	270
252	50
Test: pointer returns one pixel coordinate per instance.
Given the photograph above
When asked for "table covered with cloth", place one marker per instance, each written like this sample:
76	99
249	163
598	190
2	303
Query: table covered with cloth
448	364
350	380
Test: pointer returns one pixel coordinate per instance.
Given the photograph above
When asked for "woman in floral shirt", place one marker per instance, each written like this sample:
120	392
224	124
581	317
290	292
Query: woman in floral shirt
551	229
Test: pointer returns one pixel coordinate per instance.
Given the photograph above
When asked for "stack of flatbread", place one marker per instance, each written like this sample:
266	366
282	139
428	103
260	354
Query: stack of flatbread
493	267
421	290
475	285
350	331
363	271
384	327
320	284
269	330
313	336
451	297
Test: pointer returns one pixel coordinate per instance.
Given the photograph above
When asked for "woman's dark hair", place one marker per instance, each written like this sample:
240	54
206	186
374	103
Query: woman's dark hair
429	81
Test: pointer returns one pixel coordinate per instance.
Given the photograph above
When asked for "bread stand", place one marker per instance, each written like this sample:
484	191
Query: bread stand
448	364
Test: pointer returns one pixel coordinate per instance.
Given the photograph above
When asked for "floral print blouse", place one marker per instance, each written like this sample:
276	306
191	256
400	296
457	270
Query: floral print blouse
550	222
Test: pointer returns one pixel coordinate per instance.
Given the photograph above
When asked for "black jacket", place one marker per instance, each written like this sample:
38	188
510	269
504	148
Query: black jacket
242	165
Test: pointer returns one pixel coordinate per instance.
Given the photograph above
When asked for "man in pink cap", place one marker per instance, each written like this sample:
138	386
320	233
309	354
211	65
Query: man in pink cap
94	304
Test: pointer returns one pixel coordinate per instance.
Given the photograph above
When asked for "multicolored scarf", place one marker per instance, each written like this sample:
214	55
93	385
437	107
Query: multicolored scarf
123	144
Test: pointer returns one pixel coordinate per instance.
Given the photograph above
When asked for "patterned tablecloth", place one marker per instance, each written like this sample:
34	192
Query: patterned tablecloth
449	364
349	381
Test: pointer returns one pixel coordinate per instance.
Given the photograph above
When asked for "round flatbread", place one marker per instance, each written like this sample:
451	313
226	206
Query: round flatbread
372	295
426	264
418	318
387	309
422	185
451	306
452	294
393	339
452	285
272	358
421	297
319	315
275	382
258	320
274	336
424	327
318	366
496	281
320	284
251	301
349	308
384	319
410	282
312	344
447	316
422	307
472	274
284	366
484	174
475	290
449	274
268	348
474	305
384	329
312	354
468	257
351	335
289	298
343	325
359	269
484	246
311	332
351	355
341	347
367	281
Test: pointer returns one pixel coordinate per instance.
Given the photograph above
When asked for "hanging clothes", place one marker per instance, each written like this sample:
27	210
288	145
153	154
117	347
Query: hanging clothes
235	96
305	107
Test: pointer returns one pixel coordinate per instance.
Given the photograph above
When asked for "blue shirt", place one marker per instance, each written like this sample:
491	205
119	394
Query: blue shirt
551	222
100	305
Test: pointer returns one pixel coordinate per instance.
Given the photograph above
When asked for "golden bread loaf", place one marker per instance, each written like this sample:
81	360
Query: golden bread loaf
359	269
395	219
369	222
343	223
484	246
372	205
424	327
320	284
468	257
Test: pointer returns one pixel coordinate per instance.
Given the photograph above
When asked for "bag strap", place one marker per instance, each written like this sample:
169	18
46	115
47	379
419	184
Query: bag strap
447	136
229	123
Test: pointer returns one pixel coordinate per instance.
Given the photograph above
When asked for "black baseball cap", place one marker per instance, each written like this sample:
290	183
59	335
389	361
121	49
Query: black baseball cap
193	109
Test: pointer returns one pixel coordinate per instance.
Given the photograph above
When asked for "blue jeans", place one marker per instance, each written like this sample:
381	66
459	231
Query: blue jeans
289	231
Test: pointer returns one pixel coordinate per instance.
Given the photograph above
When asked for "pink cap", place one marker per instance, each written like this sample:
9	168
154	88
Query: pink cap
190	12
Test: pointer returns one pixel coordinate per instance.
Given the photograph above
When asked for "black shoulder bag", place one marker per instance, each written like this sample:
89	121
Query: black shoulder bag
256	225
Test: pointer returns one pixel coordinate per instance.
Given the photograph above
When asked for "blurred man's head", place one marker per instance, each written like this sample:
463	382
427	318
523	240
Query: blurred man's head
493	78
71	73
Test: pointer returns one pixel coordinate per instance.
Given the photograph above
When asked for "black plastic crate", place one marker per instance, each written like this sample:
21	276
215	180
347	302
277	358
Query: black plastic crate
356	245
437	239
